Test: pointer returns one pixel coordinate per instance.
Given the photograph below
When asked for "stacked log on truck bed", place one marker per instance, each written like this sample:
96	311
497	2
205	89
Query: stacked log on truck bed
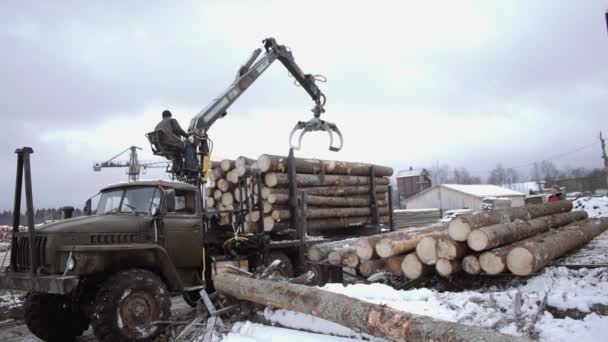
519	240
339	193
416	217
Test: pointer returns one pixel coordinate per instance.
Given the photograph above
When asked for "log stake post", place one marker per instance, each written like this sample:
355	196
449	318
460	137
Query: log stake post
390	209
17	208
293	203
23	164
301	229
260	226
373	198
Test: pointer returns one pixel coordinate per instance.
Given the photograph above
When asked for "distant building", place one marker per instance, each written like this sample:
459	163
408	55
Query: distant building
459	196
411	182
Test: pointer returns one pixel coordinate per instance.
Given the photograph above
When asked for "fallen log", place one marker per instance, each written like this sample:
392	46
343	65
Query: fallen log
320	251
370	267
413	268
494	261
372	319
460	227
446	268
426	248
450	249
501	234
306	180
366	247
531	255
470	264
337	255
270	163
393	264
390	246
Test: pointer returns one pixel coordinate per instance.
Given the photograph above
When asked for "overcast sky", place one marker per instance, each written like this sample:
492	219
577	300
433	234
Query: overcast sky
467	83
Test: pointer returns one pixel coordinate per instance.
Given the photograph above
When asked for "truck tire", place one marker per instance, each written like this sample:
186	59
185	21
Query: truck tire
286	268
52	317
127	304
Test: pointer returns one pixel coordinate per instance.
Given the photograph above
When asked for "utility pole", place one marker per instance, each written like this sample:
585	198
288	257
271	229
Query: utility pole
604	154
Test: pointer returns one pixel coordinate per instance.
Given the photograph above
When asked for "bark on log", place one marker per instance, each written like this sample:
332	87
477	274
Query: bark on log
450	249
366	247
306	180
390	246
446	268
372	319
500	234
494	261
426	248
270	163
334	190
533	254
413	268
336	256
320	251
227	165
370	267
460	227
314	213
470	264
332	223
393	264
324	201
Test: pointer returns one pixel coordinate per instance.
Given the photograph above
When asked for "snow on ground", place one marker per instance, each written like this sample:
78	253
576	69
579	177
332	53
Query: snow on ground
594	206
517	310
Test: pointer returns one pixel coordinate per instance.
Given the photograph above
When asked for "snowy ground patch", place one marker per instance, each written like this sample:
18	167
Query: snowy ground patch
594	206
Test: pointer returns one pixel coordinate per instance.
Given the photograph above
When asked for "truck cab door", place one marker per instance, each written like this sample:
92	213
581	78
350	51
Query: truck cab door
183	230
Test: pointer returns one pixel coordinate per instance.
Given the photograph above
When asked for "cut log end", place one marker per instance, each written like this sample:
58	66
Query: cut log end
426	250
492	263
458	229
264	163
446	267
411	267
364	249
334	258
470	264
383	248
351	260
478	240
521	261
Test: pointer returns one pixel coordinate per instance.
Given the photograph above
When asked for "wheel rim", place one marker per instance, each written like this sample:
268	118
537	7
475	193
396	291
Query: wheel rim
136	314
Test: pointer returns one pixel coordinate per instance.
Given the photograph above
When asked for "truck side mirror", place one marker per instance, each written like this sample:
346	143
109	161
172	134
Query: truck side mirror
156	212
87	208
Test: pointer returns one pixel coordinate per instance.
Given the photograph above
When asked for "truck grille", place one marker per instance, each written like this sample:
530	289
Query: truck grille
22	252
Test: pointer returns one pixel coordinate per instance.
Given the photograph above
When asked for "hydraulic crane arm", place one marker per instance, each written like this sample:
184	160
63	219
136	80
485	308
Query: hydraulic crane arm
249	73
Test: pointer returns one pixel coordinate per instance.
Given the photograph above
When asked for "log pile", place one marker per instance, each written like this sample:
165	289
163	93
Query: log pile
339	195
520	241
415	217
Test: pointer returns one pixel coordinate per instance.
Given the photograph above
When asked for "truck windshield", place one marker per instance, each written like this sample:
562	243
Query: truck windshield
137	200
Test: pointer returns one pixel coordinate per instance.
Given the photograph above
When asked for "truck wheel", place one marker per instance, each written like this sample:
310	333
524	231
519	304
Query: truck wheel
286	268
128	304
52	318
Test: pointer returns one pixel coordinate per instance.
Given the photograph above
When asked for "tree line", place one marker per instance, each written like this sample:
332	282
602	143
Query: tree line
40	216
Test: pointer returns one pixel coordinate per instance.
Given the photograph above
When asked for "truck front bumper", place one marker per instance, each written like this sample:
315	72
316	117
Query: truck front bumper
46	284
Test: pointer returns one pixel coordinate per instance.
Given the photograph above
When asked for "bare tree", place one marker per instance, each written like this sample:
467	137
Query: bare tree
498	175
462	176
440	174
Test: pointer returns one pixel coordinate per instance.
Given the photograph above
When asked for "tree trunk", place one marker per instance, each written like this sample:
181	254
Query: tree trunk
412	268
323	201
314	213
531	255
393	264
227	165
426	248
320	251
306	180
450	249
366	247
270	163
446	268
494	261
370	267
372	319
470	264
500	234
460	227
390	246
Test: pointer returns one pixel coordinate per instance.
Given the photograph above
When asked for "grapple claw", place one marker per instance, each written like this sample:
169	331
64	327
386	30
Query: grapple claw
316	124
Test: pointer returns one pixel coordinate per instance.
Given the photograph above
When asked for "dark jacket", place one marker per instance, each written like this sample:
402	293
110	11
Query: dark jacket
172	135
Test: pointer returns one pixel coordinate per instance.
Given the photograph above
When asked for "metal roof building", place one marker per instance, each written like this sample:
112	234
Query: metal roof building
460	196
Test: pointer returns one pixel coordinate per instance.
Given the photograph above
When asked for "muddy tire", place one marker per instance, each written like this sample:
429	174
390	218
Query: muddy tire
127	304
53	318
286	268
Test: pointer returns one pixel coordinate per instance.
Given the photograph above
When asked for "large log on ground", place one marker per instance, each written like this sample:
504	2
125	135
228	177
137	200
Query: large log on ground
320	251
314	213
270	163
530	255
370	267
390	246
372	319
332	223
446	268
426	248
450	249
470	264
412	268
460	227
494	261
306	180
366	247
500	234
393	264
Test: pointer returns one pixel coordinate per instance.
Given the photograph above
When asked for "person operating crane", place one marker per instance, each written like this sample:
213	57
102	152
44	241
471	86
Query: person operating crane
173	134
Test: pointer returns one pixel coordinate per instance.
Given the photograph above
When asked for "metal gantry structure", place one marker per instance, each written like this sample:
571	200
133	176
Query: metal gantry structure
133	165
